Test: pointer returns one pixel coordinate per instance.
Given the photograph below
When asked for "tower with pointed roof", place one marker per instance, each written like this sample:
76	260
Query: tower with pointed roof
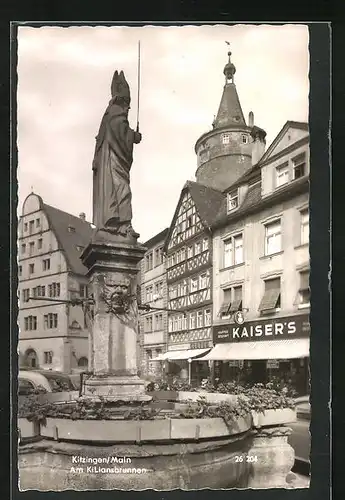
224	153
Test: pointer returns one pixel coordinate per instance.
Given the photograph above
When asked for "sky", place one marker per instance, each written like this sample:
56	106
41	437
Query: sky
64	78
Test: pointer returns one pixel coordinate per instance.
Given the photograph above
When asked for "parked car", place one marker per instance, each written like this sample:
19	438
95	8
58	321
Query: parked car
300	437
33	381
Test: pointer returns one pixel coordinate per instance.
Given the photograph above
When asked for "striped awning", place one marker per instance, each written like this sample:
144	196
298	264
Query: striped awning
268	349
186	354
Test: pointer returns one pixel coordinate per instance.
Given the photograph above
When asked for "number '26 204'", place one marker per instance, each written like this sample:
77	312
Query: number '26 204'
246	458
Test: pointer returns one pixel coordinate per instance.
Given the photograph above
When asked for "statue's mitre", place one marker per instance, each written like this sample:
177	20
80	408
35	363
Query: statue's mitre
119	86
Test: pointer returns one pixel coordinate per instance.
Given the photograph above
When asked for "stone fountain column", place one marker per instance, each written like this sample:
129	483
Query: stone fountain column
112	262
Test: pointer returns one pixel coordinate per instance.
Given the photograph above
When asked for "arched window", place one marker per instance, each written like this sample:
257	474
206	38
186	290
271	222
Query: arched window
83	361
31	358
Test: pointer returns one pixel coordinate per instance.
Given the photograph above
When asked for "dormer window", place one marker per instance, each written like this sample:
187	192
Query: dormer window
225	138
71	229
299	166
232	200
282	174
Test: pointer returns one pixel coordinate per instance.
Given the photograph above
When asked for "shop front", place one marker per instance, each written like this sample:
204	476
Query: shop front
177	362
263	351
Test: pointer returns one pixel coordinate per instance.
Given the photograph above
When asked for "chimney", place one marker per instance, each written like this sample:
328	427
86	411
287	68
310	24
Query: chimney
82	216
251	119
259	143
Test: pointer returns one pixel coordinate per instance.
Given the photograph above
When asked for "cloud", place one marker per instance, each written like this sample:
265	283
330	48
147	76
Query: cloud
64	77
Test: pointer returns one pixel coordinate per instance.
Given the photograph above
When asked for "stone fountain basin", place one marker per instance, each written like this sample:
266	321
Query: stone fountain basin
164	453
137	431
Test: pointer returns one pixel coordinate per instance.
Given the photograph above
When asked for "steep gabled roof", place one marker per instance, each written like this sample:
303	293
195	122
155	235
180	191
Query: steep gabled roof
303	126
69	240
207	201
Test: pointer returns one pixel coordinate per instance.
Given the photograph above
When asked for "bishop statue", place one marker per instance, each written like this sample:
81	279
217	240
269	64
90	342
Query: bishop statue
113	158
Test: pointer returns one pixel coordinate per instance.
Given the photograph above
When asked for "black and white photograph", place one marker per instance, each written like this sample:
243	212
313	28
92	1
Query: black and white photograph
163	257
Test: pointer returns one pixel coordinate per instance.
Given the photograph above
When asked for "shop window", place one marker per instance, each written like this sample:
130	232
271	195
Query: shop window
299	166
282	175
273	237
270	301
304	227
232	200
303	295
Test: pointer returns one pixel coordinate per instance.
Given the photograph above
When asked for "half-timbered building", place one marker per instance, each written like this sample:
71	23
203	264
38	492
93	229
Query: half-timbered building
188	250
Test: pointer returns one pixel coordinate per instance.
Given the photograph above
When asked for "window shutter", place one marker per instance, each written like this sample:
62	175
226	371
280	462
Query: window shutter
304	283
273	284
269	300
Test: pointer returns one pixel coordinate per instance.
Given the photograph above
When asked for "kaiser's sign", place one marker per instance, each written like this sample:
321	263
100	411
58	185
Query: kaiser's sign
277	328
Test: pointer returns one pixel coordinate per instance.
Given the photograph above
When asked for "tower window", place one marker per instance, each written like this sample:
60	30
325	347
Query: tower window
244	139
225	138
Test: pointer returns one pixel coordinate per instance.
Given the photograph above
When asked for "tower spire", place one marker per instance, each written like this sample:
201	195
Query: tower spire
229	69
229	111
